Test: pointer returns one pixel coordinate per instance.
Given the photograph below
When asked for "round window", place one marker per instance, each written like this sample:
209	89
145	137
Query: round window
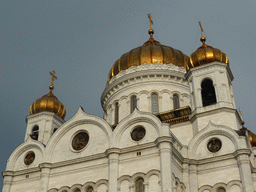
30	157
138	133
80	140
214	145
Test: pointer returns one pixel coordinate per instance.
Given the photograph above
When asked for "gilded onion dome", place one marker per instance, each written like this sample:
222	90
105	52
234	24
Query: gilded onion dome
49	103
150	52
206	54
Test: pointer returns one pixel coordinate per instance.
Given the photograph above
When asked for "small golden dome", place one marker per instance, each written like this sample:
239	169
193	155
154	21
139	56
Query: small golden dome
49	102
206	54
252	138
150	52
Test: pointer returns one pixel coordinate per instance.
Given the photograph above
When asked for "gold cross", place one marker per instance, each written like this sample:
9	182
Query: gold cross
150	21
53	77
201	28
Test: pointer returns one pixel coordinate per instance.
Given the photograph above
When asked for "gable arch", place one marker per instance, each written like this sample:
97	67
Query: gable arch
136	118
29	144
212	130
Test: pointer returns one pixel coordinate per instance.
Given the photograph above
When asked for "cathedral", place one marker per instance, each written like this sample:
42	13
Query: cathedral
170	125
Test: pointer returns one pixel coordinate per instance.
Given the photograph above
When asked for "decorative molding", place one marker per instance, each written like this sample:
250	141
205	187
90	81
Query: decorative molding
143	73
145	67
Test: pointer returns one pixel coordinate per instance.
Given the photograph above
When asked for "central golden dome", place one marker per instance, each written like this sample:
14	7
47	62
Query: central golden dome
150	52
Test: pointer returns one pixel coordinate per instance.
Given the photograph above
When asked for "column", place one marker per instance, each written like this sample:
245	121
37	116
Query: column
44	176
165	151
185	167
113	158
243	162
7	180
193	178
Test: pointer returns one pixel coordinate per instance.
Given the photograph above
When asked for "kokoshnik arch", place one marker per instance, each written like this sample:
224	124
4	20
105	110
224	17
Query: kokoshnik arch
170	125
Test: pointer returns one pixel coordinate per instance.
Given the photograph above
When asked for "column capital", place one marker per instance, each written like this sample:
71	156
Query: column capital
112	151
239	152
163	139
45	165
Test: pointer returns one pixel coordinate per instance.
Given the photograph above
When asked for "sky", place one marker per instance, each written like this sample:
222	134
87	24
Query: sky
81	40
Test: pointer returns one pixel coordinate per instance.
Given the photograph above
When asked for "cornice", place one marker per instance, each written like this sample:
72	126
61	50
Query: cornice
7	173
208	66
45	114
145	67
196	115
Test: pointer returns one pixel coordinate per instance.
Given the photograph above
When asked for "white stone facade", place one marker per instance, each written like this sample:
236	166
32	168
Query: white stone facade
169	158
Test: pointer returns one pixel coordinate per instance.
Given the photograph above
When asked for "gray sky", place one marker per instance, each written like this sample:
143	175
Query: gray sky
81	40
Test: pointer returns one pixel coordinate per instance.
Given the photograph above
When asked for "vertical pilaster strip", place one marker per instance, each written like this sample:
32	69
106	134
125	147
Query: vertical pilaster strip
165	151
243	162
146	185
8	175
44	176
193	180
185	167
113	168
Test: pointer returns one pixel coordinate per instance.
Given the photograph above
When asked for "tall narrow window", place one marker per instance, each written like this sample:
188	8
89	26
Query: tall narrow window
176	102
116	113
139	186
133	103
35	132
208	93
154	99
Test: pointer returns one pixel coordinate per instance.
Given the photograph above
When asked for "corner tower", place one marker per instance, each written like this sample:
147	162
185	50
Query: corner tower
210	82
46	115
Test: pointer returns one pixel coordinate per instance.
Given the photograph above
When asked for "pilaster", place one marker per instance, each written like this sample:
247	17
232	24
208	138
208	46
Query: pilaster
8	175
243	162
44	176
165	151
193	180
113	158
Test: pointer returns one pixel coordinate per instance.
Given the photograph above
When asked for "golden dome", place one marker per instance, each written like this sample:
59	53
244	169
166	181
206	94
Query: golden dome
206	54
49	102
252	138
150	52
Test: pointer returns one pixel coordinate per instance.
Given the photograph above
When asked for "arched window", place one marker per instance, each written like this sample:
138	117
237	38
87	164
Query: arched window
208	93
221	189
89	189
77	190
133	103
176	102
154	100
116	113
54	130
35	132
139	186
